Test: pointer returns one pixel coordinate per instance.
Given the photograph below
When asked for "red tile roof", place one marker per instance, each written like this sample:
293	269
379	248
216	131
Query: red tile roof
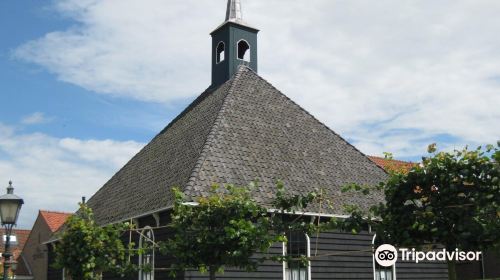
21	235
54	219
392	164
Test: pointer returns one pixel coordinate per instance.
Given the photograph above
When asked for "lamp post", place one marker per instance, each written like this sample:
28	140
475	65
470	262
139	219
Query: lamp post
13	268
10	205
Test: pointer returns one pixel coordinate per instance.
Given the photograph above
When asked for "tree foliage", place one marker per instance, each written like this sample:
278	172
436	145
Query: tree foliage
223	229
228	227
450	199
86	250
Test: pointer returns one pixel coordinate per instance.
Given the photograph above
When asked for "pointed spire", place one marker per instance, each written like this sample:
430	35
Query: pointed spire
233	12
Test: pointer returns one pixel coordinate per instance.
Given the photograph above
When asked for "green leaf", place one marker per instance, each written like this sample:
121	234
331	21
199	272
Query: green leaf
432	148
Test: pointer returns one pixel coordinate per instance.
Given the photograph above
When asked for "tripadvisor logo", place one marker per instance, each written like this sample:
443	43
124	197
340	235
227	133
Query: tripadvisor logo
387	255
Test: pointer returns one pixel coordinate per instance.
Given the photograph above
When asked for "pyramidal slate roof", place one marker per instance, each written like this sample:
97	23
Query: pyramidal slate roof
242	131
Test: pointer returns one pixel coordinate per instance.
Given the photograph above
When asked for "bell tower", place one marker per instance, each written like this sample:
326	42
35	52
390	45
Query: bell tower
233	43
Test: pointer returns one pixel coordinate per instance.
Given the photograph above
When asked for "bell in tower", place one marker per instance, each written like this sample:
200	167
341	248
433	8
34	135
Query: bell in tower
233	43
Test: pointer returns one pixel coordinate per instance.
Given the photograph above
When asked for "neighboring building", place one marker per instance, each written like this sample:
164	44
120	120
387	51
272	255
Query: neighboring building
35	251
392	164
18	240
239	130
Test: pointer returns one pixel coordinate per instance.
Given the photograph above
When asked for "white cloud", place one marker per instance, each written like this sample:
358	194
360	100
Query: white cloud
390	75
134	49
54	173
107	152
36	118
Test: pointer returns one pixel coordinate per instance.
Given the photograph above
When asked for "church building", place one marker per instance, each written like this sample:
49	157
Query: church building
241	129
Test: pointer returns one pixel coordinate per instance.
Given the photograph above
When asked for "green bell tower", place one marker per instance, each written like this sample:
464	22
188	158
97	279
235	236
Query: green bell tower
233	43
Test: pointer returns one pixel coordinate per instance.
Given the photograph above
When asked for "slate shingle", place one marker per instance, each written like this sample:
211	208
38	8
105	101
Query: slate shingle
245	130
144	183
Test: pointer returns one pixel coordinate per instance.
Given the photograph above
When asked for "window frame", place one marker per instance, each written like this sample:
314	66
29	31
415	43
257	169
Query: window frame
143	275
249	50
308	254
377	268
385	270
217	55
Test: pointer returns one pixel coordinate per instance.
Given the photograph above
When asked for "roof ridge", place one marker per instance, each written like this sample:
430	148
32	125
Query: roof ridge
311	115
393	159
56	212
193	104
210	136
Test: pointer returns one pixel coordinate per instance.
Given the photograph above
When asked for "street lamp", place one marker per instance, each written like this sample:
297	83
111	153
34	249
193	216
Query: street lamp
10	205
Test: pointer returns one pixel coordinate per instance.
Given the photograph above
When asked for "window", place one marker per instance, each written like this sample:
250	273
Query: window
297	247
13	239
220	53
147	258
383	273
243	50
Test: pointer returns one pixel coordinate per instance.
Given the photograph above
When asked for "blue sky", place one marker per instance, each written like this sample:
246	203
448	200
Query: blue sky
34	102
69	110
84	84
